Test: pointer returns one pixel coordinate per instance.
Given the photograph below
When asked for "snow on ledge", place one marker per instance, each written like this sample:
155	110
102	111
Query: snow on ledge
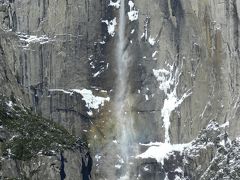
132	14
92	101
161	151
34	39
226	124
110	26
61	90
114	4
151	41
9	104
126	177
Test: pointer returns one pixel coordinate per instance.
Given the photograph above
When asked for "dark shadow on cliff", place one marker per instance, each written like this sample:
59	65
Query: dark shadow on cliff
87	167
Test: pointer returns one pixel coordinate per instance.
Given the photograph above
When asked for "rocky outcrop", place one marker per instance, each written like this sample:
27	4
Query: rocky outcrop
47	167
210	156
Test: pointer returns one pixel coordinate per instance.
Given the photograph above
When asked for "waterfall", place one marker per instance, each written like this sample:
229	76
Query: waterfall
122	109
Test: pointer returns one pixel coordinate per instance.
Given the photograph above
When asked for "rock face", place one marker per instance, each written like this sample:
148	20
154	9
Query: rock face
210	156
59	58
42	167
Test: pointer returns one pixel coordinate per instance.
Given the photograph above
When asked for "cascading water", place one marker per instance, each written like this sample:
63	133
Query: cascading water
122	108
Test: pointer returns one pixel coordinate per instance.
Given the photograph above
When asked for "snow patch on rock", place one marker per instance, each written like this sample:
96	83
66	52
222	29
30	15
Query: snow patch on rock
92	101
114	4
111	26
168	80
154	54
28	39
161	151
151	41
132	14
9	104
61	90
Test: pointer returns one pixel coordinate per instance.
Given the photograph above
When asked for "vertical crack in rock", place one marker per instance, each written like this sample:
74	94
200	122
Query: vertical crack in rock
235	26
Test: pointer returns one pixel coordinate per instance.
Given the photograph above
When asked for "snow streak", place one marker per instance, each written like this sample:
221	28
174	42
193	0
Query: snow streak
168	80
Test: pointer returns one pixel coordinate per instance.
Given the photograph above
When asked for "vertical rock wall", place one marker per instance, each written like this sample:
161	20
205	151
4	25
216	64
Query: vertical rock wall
48	47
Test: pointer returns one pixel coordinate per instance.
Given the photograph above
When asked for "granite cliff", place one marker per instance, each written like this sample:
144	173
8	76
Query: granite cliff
130	78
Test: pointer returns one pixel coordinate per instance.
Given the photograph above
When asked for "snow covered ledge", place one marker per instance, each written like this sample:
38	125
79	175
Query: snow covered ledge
161	151
206	137
91	101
